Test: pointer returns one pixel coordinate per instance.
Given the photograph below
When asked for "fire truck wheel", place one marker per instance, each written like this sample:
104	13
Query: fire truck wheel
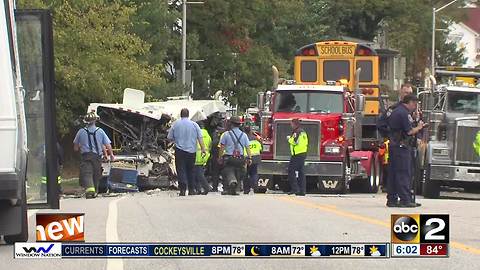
371	183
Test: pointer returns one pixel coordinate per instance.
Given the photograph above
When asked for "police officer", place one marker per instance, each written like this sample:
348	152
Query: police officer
405	89
201	161
233	145
185	133
92	142
298	142
402	137
251	181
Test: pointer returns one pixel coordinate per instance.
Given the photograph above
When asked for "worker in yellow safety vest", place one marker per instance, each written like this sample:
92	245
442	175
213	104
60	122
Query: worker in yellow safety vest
298	142
476	144
201	161
251	181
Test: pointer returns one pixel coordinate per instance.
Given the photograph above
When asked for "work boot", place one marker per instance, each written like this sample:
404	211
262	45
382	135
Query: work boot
408	205
182	193
392	204
90	195
300	194
233	188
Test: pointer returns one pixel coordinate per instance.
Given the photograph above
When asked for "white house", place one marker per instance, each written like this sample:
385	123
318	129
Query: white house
467	35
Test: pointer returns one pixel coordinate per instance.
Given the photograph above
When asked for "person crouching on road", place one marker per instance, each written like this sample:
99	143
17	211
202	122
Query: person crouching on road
185	133
298	142
233	145
201	162
402	137
251	181
92	142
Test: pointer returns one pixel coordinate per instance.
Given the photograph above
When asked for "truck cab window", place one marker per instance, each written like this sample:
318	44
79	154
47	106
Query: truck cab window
464	102
309	101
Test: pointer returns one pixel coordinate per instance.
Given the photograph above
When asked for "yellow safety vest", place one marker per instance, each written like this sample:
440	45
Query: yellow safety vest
476	144
43	179
387	152
207	140
299	146
255	147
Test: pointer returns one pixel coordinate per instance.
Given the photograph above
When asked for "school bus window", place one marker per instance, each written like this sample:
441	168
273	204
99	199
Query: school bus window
334	70
367	70
308	71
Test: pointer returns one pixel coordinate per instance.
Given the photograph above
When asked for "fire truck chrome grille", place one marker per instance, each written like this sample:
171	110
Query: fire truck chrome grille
283	129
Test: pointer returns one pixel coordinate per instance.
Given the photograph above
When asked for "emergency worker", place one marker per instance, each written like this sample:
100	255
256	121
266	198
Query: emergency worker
186	133
402	138
201	162
92	142
233	145
251	181
298	142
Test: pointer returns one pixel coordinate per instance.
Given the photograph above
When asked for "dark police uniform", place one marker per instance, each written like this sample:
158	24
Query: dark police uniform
400	156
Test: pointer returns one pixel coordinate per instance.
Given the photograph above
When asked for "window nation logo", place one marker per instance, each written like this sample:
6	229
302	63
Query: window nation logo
38	250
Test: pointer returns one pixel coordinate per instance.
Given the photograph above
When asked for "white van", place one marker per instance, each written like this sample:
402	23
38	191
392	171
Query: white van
13	154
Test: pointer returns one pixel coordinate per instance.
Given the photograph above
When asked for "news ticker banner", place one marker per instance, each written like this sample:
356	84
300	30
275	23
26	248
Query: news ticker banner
220	250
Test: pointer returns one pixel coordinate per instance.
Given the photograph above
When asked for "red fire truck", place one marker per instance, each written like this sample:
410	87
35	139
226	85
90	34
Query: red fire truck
336	97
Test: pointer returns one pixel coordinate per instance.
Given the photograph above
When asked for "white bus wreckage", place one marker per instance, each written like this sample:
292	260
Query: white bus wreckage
143	156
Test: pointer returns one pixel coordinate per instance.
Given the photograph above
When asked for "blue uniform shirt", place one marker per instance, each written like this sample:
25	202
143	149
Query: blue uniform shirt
400	121
185	133
229	144
82	139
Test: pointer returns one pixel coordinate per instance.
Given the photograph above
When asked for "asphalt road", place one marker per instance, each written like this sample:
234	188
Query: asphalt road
164	217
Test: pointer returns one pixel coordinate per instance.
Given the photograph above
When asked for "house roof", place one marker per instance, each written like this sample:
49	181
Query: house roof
473	19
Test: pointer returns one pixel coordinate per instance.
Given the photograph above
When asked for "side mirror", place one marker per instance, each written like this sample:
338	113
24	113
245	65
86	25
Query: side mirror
360	103
261	101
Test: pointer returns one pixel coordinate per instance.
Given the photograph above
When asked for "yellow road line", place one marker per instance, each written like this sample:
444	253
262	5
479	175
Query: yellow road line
365	219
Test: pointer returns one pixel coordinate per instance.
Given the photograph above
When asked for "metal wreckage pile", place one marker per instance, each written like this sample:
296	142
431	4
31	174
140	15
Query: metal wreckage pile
144	157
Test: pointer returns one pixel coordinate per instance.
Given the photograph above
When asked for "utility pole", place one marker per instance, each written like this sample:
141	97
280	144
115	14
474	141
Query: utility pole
432	71
184	39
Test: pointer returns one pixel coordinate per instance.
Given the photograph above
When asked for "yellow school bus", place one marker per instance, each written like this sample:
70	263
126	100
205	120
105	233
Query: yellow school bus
332	61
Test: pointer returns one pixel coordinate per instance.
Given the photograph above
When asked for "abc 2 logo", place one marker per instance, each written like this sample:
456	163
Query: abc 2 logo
416	229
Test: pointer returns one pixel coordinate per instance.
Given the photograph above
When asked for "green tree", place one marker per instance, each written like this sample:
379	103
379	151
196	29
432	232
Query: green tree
243	40
97	55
